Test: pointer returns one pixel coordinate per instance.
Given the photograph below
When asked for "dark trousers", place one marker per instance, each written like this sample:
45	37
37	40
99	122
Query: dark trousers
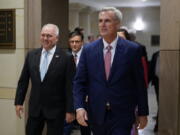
113	126
35	125
68	128
85	130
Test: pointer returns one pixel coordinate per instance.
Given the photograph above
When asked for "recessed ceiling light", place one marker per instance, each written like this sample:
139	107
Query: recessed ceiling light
144	0
139	25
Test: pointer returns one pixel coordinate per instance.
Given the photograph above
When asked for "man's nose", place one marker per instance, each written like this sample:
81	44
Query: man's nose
102	24
45	37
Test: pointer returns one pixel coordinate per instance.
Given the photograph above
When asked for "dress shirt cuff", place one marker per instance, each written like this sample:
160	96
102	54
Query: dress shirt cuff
79	109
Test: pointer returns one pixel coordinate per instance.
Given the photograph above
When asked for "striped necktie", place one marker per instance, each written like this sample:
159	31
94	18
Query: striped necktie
107	61
75	58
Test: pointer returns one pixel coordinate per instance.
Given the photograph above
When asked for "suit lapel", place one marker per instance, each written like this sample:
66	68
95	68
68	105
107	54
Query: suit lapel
101	60
117	57
37	63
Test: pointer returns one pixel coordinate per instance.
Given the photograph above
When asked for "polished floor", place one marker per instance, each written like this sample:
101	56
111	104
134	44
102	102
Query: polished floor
153	112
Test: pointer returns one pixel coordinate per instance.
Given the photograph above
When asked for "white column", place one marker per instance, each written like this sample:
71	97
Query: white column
85	21
74	17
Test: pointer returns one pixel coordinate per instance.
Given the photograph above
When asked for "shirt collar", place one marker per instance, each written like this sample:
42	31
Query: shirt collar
51	51
113	43
78	53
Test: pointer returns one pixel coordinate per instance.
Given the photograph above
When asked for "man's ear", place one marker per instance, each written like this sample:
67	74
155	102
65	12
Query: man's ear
118	25
57	38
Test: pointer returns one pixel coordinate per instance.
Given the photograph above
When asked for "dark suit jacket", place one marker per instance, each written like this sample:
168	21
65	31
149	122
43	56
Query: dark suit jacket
125	88
54	94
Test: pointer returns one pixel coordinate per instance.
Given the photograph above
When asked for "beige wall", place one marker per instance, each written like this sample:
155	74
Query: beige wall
9	123
10	65
169	117
30	16
9	59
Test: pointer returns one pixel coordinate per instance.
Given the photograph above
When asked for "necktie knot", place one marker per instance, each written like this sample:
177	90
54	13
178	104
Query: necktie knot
75	55
46	53
109	47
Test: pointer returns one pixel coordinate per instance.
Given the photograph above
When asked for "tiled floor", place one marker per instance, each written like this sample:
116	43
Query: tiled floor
153	111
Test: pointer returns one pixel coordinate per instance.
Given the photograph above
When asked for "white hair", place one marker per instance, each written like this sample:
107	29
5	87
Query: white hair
117	12
54	26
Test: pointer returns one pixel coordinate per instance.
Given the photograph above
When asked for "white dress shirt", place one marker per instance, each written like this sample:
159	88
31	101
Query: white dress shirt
78	55
113	44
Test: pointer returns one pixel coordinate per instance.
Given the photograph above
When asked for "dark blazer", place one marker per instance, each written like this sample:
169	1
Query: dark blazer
124	90
54	94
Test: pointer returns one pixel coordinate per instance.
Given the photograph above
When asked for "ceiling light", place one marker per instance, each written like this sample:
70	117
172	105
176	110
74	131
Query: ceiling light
139	24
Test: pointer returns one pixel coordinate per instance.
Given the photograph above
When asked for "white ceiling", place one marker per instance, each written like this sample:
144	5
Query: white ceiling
117	3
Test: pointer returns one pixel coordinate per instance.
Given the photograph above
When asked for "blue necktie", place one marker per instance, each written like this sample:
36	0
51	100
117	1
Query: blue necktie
44	65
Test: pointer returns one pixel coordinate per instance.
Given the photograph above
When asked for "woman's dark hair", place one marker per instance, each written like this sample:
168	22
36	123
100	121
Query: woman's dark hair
126	34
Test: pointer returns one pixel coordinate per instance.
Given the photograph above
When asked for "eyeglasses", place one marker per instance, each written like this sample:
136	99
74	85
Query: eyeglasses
75	41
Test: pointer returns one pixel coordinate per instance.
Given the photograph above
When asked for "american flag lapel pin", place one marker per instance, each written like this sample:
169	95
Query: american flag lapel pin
56	56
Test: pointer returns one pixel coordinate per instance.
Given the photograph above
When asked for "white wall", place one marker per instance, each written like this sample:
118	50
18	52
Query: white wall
151	18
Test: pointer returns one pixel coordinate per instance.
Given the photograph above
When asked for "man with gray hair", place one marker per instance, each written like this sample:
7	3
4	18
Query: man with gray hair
110	72
51	71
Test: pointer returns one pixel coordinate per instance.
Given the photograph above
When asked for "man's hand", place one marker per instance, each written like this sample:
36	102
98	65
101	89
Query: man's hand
81	116
19	110
70	117
142	122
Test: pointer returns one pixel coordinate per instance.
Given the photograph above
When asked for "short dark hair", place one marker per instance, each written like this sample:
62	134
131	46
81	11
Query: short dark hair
126	33
79	29
76	33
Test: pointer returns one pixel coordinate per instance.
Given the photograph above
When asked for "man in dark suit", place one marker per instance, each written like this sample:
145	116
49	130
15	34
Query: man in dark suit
110	72
76	41
51	72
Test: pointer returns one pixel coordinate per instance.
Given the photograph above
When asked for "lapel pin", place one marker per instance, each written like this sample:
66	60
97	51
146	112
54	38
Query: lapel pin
57	56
